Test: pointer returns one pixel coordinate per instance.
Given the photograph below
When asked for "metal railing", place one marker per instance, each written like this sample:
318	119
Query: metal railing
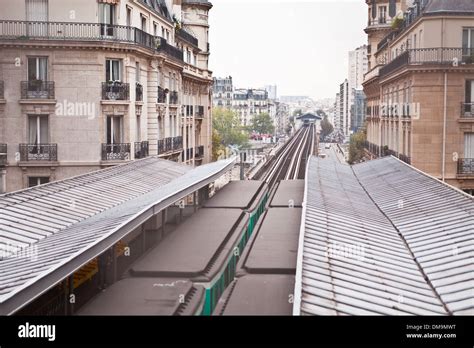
177	143
29	30
138	92
115	91
170	144
3	154
161	95
466	166
141	149
39	152
420	56
183	34
467	110
116	152
161	146
164	47
2	90
199	152
187	154
174	97
199	111
37	89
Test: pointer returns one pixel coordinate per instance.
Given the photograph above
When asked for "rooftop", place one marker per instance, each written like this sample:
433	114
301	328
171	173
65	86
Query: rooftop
383	238
79	218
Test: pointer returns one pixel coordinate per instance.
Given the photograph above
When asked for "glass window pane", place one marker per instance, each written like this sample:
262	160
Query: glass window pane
465	38
32	130
44	134
109	130
32	69
117	130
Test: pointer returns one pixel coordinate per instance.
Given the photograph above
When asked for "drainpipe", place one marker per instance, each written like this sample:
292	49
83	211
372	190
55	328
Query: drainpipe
443	169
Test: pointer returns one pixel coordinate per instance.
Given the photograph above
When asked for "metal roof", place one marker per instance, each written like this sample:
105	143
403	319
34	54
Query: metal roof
30	215
40	266
360	253
437	222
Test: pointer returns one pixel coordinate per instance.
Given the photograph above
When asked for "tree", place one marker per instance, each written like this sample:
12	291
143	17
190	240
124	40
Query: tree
217	147
262	124
227	125
326	127
356	147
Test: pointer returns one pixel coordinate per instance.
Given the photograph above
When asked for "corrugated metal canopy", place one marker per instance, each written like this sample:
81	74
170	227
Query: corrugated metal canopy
371	233
154	185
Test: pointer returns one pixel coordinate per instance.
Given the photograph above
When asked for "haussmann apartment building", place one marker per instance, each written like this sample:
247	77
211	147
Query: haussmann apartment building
87	84
420	86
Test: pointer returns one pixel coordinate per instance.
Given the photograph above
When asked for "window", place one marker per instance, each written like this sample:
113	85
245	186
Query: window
107	19
113	70
37	180
143	18
469	98
167	35
382	14
468	42
468	145
37	10
163	32
129	17
38	132
37	68
137	72
138	129
155	29
114	129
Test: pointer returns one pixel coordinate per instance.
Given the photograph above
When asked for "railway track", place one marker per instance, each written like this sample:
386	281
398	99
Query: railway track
290	162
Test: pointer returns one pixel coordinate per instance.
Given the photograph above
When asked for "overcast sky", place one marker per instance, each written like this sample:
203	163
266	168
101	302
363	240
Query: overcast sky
299	45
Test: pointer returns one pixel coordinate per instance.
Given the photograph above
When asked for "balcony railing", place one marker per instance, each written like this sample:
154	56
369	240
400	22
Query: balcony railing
115	91
141	149
199	111
421	56
2	90
24	30
3	154
37	89
183	34
170	144
138	92
166	48
161	95
189	153
115	152
199	152
467	110
466	166
39	152
174	97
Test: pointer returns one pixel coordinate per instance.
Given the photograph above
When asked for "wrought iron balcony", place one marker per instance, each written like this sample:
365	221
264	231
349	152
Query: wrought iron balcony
432	56
174	97
466	166
115	152
2	90
27	30
199	111
178	143
199	152
183	34
138	92
37	89
115	91
141	149
38	152
467	110
187	154
163	46
161	95
3	154
161	146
